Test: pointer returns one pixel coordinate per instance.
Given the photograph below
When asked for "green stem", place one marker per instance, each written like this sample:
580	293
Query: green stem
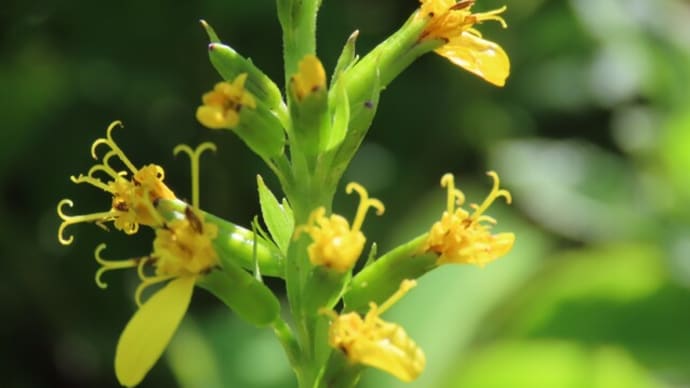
298	21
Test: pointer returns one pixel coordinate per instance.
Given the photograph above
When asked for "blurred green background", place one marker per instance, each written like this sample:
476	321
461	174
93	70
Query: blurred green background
591	135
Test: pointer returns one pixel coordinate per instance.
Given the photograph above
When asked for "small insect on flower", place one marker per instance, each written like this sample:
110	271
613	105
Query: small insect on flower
134	191
374	342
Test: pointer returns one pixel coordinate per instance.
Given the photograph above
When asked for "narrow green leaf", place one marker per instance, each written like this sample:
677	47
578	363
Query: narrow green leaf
347	58
278	218
246	296
341	117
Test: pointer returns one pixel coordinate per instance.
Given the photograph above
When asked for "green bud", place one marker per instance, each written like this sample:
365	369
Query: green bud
230	64
309	106
261	131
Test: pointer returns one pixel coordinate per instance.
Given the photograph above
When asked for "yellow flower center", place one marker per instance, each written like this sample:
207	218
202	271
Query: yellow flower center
182	248
461	237
375	342
221	106
335	244
310	78
133	198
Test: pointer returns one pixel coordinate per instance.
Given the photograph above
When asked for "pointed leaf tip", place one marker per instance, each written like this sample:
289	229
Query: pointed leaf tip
210	32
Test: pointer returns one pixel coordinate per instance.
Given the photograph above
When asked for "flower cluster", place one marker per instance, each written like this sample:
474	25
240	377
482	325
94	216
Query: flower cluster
464	237
335	244
453	23
133	196
374	342
307	135
221	106
182	253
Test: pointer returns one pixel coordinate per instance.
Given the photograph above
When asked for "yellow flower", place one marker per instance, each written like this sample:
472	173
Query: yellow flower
374	342
222	105
311	77
464	238
133	196
335	244
464	46
182	252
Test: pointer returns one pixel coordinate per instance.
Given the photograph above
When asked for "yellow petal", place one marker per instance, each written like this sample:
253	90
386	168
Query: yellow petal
476	55
150	330
211	116
404	363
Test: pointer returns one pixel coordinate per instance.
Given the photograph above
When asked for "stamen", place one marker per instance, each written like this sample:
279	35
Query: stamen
405	286
492	15
364	204
113	146
454	196
108	265
146	283
194	156
90	180
332	315
69	220
493	195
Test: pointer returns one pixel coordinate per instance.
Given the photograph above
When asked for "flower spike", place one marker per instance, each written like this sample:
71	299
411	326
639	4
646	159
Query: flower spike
335	244
374	342
461	237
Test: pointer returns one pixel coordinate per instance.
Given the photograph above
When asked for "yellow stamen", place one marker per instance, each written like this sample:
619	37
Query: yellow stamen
405	287
364	204
461	237
108	265
194	156
70	220
493	195
374	342
336	245
148	282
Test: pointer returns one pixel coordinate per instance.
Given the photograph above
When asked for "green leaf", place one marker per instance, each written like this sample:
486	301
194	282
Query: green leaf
347	58
277	217
341	118
246	296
